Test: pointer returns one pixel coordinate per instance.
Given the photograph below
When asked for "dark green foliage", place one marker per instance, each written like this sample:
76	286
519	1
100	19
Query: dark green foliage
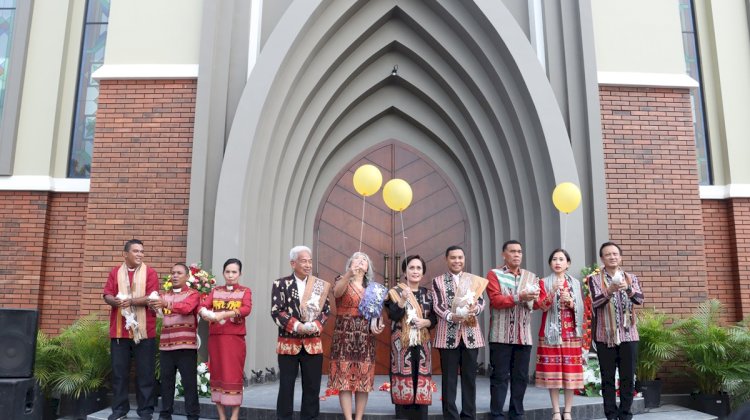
77	361
658	343
718	357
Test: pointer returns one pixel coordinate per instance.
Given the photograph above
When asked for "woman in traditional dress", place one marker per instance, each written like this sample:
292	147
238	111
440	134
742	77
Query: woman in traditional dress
559	360
410	310
353	352
226	308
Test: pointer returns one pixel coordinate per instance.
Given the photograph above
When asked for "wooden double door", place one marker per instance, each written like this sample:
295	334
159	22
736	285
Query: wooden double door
434	220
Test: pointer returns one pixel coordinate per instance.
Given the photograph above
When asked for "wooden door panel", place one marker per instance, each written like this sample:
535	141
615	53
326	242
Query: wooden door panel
434	221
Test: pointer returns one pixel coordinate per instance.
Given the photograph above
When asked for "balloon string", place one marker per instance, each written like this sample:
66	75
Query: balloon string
565	229
403	233
362	227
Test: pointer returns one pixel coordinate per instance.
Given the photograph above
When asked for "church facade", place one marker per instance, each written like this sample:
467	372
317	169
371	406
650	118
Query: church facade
213	130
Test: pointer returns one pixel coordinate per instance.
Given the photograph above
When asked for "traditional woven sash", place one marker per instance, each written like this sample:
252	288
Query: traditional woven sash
610	313
508	281
138	290
553	327
468	290
314	298
405	298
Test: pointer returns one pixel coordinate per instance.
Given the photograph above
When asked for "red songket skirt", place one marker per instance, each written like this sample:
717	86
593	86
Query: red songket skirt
226	354
560	366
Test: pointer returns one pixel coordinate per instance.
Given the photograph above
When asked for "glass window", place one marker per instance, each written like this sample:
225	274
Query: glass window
87	92
692	63
7	13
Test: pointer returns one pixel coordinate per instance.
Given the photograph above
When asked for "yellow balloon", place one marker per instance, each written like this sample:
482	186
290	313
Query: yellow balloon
566	197
367	180
397	194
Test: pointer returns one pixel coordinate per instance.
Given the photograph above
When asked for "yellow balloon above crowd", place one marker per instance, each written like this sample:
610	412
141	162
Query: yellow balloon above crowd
566	197
367	180
397	194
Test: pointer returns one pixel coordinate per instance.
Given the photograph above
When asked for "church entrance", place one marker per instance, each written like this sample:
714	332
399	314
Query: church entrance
435	220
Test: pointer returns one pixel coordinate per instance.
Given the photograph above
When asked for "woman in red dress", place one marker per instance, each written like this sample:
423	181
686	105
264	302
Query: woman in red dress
353	343
226	308
559	361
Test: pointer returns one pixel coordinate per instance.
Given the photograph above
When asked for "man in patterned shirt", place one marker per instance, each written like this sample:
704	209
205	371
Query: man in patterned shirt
613	294
458	336
299	307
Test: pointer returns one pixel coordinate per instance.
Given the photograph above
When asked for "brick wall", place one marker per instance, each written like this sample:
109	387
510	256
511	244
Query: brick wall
652	190
23	216
42	253
740	208
718	222
60	294
140	177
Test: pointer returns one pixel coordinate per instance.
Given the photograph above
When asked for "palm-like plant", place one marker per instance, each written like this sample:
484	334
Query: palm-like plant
77	361
717	356
657	343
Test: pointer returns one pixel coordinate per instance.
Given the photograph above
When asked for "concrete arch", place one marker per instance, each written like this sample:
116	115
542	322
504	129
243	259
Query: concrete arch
470	95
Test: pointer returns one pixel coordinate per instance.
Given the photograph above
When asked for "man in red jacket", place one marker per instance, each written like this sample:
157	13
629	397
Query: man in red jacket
178	344
132	330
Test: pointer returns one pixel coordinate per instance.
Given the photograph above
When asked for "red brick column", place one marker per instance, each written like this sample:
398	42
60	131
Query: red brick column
654	207
140	177
740	208
719	232
23	216
60	294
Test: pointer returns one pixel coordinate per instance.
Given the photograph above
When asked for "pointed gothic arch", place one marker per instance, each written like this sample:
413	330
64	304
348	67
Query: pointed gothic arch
470	94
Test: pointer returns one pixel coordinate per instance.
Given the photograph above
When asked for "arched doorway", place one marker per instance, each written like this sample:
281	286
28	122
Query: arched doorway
469	93
435	220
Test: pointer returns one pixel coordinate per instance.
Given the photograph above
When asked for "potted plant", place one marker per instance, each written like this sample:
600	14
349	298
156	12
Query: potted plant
75	366
657	344
717	356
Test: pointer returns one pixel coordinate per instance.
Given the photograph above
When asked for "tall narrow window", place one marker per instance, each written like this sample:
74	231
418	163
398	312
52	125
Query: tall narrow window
692	62
7	13
87	92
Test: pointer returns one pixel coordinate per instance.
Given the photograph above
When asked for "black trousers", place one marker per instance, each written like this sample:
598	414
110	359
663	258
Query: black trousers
451	360
311	366
622	358
412	412
122	349
509	363
186	361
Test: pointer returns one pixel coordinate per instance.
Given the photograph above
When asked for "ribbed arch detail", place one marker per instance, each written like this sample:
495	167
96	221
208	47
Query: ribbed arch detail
469	95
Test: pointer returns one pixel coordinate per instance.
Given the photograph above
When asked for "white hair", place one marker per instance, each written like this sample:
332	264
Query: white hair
294	252
370	275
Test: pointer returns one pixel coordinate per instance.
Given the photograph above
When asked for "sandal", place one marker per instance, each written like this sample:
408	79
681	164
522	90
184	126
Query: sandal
567	415
556	415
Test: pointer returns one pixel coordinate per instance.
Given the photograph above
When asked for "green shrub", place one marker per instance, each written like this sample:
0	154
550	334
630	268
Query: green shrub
658	343
77	361
718	357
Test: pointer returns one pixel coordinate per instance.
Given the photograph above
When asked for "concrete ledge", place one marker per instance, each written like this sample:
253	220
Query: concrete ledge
614	78
43	183
146	71
720	192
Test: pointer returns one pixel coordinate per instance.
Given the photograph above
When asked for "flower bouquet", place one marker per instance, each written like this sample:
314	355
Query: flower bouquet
588	309
371	304
166	282
204	386
200	280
